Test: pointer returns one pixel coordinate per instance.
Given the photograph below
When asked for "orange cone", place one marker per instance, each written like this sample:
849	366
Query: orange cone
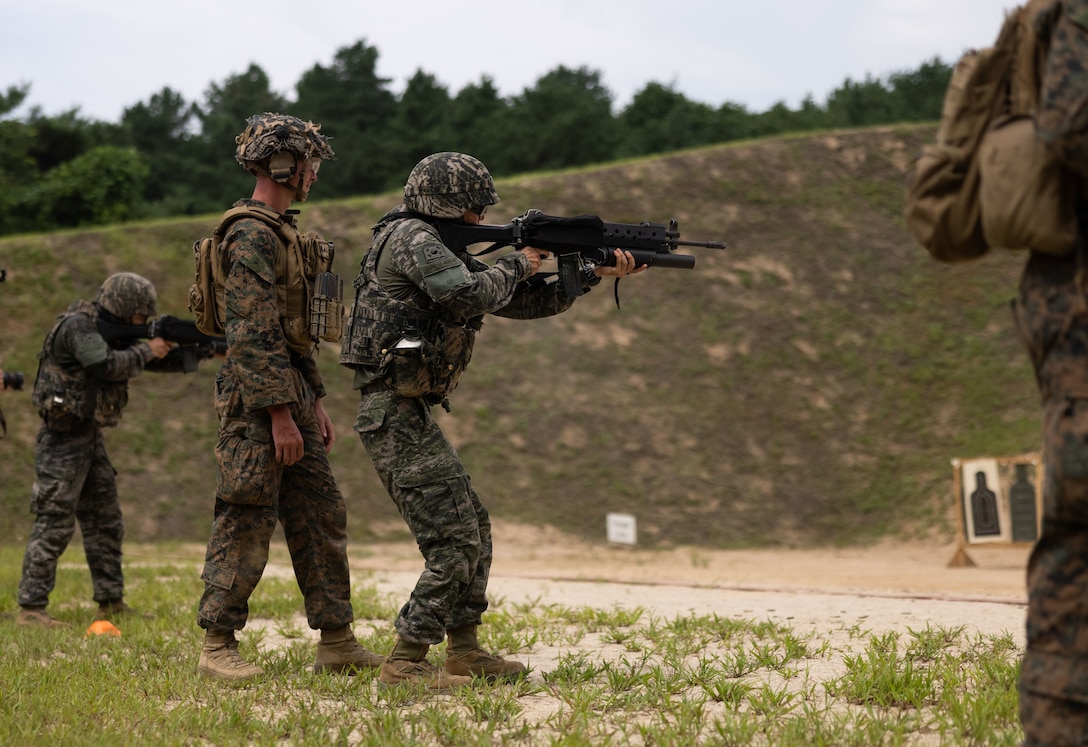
102	627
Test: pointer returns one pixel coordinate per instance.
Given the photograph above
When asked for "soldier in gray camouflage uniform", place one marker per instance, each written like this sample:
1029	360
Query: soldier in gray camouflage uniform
418	307
274	433
81	388
1052	316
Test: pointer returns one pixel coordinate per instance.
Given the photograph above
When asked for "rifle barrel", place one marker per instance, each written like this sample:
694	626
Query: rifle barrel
703	244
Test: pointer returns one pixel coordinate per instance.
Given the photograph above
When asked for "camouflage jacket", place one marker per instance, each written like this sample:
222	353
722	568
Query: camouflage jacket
80	377
259	357
1062	115
415	272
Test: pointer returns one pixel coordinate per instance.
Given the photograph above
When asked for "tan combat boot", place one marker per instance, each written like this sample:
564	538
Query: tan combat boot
220	658
116	608
338	651
408	665
465	657
39	617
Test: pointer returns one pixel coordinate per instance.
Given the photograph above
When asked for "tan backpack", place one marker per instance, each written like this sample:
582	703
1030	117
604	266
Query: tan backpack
310	309
206	295
988	181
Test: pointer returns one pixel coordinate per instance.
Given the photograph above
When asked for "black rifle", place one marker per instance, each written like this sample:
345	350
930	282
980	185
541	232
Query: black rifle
13	380
194	344
579	242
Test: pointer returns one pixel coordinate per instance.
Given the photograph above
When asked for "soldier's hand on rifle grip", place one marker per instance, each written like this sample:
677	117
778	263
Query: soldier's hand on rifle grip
536	256
160	347
625	265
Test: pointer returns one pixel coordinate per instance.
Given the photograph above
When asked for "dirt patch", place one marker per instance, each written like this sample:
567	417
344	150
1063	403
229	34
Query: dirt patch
837	596
885	587
915	570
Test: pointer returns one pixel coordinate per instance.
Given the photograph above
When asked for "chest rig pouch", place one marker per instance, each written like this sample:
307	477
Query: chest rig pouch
417	352
65	395
309	295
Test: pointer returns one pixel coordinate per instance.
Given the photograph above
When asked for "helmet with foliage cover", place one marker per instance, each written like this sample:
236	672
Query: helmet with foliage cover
267	134
445	185
126	294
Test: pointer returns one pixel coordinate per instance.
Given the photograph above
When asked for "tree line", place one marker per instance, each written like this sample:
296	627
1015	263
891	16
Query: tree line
171	157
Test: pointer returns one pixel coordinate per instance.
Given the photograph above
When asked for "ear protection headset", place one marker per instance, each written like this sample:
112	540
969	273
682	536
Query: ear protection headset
282	166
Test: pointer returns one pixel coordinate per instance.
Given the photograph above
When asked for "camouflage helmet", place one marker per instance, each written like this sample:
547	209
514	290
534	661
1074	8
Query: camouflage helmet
445	185
126	294
268	134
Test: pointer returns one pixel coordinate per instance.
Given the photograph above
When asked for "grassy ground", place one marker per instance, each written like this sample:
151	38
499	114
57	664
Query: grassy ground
614	676
807	385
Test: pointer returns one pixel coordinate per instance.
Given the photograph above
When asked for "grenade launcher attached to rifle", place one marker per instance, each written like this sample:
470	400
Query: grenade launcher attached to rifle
579	242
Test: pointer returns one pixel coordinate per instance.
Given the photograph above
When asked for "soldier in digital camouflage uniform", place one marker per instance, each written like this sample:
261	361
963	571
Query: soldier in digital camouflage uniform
415	295
1052	315
274	433
81	388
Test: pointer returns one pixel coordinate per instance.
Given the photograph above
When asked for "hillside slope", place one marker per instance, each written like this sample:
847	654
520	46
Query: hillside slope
807	385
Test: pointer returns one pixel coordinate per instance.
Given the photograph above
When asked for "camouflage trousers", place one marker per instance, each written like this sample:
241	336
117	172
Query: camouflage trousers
1054	672
75	482
425	478
253	491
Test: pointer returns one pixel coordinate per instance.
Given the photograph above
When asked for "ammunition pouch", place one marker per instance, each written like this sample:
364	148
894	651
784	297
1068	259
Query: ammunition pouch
60	412
64	395
327	308
430	365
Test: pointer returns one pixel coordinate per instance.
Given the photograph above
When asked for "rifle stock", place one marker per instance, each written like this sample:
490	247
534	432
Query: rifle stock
580	241
193	343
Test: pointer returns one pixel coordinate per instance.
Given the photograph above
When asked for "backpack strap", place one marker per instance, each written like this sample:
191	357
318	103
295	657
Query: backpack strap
269	217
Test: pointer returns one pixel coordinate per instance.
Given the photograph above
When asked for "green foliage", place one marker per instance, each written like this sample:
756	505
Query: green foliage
661	119
421	124
356	107
211	169
14	96
566	118
479	123
861	104
159	130
100	186
920	92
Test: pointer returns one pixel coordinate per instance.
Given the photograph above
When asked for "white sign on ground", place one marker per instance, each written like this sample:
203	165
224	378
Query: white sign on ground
621	528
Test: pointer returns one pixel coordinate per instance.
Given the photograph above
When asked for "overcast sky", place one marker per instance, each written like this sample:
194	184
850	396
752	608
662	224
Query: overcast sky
106	55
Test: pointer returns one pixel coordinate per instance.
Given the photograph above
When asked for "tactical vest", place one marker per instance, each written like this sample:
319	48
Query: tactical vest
416	352
65	395
301	261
